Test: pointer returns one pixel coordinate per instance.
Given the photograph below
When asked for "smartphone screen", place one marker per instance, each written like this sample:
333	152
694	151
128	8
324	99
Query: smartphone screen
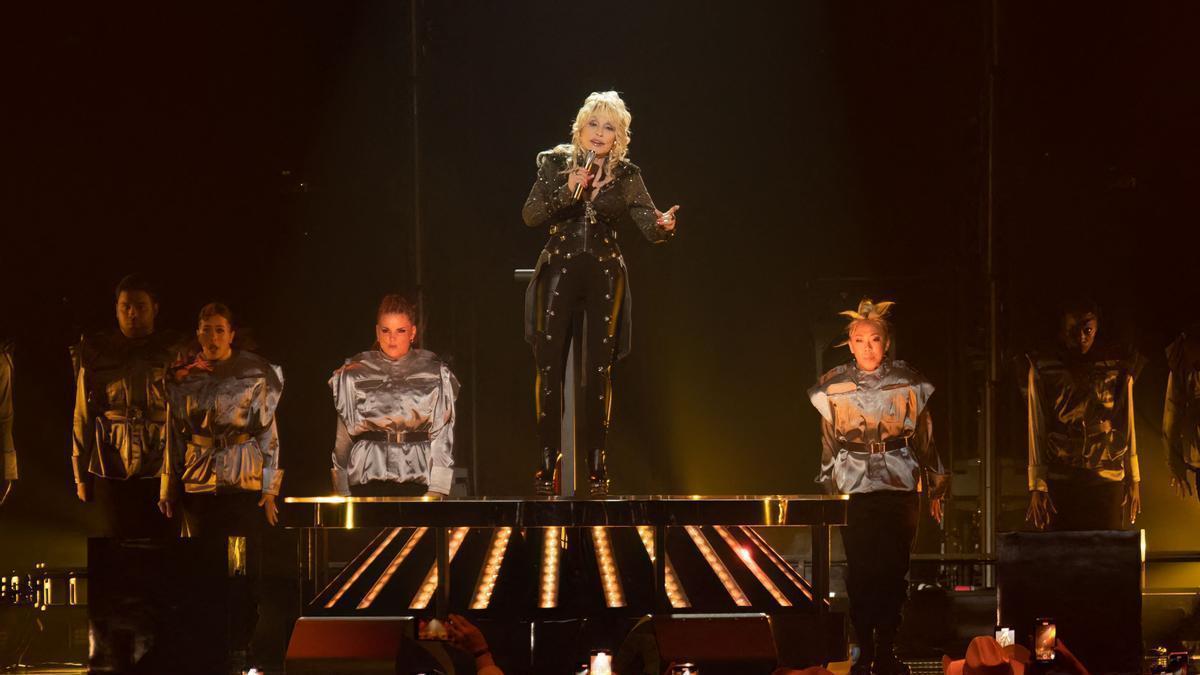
1005	636
1045	639
601	663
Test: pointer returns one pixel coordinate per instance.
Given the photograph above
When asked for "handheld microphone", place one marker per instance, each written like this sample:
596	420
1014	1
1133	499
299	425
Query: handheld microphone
589	165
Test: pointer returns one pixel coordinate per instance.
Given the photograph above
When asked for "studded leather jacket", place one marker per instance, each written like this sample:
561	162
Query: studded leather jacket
876	431
587	227
1181	412
395	421
1080	411
222	427
120	404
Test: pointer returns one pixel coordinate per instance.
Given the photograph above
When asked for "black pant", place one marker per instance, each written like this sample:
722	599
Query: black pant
878	536
565	287
130	508
388	488
233	514
1086	505
227	514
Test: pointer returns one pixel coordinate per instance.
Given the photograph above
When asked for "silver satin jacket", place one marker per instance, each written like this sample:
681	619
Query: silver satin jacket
1080	412
414	393
888	405
1181	412
222	434
120	404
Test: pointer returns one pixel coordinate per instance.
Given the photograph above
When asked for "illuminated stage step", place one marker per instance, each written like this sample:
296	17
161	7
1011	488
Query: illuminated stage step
517	556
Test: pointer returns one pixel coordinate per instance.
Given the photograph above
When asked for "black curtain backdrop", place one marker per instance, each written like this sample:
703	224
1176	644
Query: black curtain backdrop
262	155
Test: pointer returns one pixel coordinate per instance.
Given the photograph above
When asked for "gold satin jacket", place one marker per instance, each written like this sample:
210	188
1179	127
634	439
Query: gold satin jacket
1080	415
1181	411
120	404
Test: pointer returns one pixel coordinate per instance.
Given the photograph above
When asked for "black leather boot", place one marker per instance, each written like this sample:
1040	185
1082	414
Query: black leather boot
543	479
597	473
886	661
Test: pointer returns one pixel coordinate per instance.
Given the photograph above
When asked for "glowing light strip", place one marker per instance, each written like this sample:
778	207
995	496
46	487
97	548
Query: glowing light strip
610	576
491	568
363	567
425	594
550	555
392	567
675	594
749	562
782	564
718	567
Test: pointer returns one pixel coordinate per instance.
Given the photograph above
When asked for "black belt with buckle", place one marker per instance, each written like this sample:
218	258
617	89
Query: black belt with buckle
392	436
222	441
875	447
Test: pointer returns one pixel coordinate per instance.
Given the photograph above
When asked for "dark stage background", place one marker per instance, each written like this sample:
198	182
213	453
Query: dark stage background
262	155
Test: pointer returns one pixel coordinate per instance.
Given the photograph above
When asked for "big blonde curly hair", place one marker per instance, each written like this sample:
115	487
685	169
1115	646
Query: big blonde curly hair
604	104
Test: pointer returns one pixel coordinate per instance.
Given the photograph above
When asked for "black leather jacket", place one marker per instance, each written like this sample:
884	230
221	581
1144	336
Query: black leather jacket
583	228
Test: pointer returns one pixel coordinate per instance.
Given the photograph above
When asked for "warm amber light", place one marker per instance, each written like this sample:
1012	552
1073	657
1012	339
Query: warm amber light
751	565
774	557
392	567
674	588
550	555
610	576
425	592
718	567
491	568
362	568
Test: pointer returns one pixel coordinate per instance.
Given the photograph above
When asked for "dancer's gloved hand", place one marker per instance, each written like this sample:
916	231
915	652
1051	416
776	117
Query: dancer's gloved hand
1040	509
83	492
166	507
937	508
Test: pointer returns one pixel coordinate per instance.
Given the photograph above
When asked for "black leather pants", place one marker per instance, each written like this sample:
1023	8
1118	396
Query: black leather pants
878	536
567	285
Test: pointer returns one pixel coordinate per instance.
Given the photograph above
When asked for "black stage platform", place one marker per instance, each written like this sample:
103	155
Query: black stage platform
547	560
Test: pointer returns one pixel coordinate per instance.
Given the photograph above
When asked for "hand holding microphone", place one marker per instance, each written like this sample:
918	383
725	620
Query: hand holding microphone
581	178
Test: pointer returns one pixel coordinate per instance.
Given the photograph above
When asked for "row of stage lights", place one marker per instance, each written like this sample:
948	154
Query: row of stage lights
553	542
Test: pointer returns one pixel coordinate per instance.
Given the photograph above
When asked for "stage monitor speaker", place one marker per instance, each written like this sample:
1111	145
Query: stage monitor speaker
359	645
1088	582
328	645
159	606
718	644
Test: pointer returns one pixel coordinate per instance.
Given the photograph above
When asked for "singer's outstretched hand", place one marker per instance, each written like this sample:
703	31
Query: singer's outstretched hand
666	219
